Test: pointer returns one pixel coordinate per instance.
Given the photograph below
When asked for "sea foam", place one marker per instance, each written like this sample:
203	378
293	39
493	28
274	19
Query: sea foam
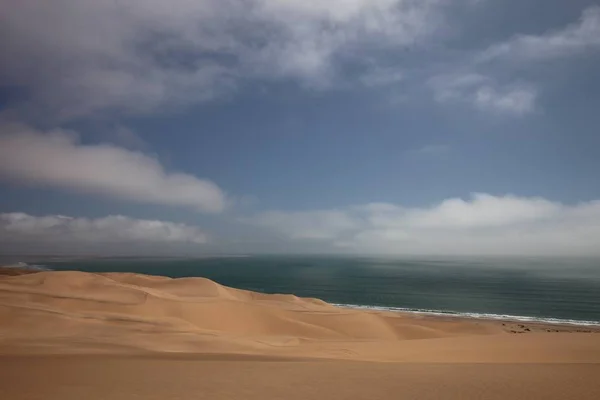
457	314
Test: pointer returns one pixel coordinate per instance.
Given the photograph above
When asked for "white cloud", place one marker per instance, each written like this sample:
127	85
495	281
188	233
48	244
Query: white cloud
450	87
482	210
57	159
514	100
577	38
484	93
116	229
480	90
483	224
77	57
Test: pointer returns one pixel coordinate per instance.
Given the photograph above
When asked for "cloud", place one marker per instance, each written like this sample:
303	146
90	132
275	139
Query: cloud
482	210
69	233
515	100
473	81
127	138
483	93
142	56
77	57
57	159
481	225
574	39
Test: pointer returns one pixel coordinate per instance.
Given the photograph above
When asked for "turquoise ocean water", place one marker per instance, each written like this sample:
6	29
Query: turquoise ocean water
527	288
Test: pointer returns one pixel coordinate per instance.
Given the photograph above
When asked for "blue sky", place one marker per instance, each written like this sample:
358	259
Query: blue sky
349	126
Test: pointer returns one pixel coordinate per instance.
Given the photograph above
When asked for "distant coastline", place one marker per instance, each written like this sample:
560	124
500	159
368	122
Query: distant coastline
477	316
22	268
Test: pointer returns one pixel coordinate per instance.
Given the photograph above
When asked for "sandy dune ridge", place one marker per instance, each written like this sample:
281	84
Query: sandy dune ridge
84	313
75	335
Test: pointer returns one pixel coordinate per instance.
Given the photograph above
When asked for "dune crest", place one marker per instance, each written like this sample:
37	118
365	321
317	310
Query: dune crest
79	312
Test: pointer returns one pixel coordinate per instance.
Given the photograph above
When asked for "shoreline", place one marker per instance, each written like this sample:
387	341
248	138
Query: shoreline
473	316
24	269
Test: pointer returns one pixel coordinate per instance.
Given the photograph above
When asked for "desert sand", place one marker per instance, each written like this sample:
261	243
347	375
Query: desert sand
73	335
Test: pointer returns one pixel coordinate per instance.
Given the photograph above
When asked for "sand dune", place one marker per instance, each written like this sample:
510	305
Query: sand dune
74	335
168	378
78	312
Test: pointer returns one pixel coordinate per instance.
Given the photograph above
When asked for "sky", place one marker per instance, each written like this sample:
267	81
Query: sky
384	127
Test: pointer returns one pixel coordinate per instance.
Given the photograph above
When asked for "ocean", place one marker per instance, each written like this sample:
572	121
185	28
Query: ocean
531	289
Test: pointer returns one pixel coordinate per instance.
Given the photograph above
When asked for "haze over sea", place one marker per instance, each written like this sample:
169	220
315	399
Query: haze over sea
493	287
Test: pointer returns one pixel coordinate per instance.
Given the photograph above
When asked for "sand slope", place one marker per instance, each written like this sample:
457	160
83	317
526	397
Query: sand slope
77	312
166	378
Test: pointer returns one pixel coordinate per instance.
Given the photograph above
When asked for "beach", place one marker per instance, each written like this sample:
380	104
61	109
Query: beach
74	334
